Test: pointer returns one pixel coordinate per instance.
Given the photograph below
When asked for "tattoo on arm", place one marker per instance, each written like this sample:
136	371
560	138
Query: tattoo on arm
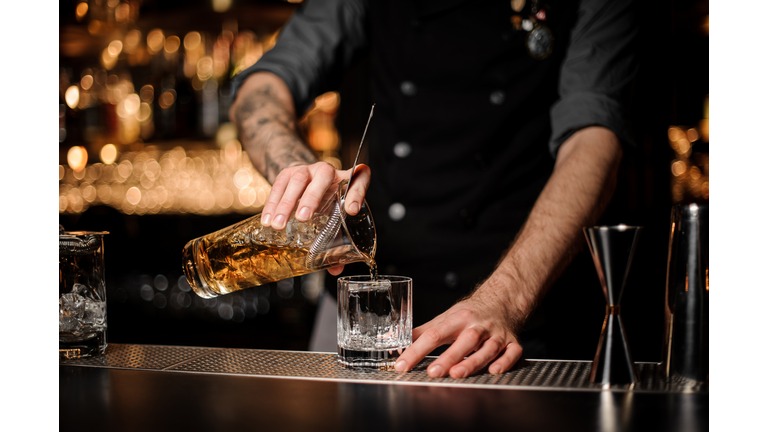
268	132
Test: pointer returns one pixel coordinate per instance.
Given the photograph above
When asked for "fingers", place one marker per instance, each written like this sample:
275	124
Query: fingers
322	177
489	350
356	193
431	337
511	355
335	271
305	185
468	341
293	191
275	195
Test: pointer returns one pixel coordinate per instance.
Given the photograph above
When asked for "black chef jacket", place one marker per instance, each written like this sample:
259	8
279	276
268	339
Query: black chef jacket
467	121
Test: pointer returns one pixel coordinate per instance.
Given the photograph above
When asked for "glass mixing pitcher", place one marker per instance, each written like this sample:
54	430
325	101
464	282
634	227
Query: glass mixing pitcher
248	254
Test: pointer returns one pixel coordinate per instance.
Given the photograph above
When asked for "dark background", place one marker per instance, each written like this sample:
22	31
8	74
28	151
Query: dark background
670	89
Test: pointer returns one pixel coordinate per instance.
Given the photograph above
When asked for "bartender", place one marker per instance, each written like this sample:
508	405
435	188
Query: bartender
497	135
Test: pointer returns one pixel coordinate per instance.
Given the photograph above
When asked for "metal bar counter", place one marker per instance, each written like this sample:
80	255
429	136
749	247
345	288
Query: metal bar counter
168	388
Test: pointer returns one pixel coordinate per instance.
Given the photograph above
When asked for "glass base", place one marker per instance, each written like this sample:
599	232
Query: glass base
87	348
379	360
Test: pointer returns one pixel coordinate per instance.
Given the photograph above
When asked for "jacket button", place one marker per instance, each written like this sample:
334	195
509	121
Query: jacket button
497	97
396	211
402	149
408	88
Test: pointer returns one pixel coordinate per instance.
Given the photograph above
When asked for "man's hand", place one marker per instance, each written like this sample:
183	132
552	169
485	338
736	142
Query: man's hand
301	187
480	331
484	327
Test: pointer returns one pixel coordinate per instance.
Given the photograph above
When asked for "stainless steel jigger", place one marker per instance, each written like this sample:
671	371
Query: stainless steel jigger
613	248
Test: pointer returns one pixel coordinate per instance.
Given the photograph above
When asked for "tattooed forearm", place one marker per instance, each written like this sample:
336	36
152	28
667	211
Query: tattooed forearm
267	128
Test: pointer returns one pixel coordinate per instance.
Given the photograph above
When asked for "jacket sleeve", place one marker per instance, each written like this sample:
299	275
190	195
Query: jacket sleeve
597	71
322	38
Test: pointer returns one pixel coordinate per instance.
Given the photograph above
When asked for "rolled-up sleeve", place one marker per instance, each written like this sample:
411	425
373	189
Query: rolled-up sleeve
322	38
597	71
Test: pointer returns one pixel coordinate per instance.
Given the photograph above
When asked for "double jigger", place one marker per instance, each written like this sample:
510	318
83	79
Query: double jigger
612	249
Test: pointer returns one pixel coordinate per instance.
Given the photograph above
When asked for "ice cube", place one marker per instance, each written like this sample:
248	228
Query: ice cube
80	289
72	305
372	313
95	312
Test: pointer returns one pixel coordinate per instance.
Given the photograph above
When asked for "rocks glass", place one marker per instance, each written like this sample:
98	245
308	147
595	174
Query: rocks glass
374	321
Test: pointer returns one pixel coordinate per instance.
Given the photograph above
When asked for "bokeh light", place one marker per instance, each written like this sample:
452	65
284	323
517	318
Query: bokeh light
192	41
205	68
132	41
167	99
108	154
115	48
155	41
81	10
77	158
122	12
86	82
678	168
172	44
133	195
221	5
147	93
72	96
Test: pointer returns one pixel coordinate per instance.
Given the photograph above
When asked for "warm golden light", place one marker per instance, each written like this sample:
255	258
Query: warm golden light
221	5
167	99
192	41
172	44
115	48
692	134
678	168
108	60
132	40
205	68
242	179
145	111
86	82
131	103
133	195
695	173
675	133
683	146
112	3
147	93
81	10
155	41
77	158
122	12
72	96
226	133
62	171
108	154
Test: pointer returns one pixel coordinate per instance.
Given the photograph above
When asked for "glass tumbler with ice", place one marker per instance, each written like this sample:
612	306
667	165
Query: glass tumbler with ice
374	321
82	294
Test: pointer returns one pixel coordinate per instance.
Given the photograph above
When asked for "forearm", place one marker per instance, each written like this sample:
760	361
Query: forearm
266	121
576	194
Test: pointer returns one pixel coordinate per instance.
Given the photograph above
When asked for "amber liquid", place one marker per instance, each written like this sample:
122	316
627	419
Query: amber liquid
227	267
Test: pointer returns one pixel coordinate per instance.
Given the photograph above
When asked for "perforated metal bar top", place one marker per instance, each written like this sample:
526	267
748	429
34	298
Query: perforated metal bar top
528	374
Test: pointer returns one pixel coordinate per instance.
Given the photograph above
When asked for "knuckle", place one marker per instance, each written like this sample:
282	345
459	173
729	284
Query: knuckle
432	335
465	314
474	334
300	175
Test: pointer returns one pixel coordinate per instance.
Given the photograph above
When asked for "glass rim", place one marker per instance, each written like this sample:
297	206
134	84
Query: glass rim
367	278
81	233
